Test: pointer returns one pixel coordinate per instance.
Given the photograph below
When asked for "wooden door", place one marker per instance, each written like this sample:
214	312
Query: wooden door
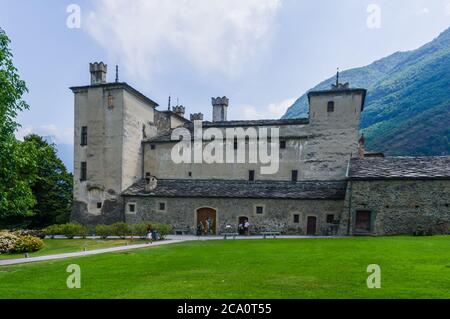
363	221
311	226
208	218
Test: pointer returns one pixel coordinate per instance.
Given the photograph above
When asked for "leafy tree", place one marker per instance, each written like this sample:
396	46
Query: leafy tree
52	187
17	160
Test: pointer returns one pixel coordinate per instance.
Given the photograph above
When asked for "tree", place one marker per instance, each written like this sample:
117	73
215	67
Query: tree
17	160
52	187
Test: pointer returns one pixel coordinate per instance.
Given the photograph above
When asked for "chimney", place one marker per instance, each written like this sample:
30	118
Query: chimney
98	73
361	147
179	109
196	117
220	108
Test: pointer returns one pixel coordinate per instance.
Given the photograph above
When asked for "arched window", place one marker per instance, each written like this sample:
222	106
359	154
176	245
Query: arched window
330	108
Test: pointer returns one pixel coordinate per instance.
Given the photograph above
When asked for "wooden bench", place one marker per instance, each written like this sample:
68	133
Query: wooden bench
270	233
226	235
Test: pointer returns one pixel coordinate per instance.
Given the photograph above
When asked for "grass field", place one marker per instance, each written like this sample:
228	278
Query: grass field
59	246
284	268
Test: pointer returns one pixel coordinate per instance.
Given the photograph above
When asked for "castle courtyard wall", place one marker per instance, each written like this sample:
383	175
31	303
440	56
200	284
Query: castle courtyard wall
278	214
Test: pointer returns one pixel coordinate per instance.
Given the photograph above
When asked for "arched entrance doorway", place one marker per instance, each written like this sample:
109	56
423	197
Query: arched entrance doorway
207	217
241	224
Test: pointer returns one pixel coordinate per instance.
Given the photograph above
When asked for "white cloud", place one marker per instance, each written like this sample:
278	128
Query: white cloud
212	35
56	134
447	8
271	111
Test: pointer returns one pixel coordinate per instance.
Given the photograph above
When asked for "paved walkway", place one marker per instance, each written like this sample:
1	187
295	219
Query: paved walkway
171	239
87	253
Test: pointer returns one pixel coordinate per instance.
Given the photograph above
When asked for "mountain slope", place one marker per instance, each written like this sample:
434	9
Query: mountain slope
408	103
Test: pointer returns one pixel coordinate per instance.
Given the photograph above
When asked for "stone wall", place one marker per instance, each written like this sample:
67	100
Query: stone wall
278	214
399	206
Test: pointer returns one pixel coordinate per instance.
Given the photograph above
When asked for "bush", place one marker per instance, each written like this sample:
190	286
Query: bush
104	231
11	243
163	229
141	229
27	244
72	230
121	229
34	233
54	230
7	242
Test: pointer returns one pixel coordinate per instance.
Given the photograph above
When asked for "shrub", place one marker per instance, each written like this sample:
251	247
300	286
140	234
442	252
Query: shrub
104	231
121	229
141	229
163	229
72	230
53	230
34	233
7	242
27	244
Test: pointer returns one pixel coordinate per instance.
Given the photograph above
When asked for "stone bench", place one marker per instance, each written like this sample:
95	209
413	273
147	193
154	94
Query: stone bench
270	233
226	235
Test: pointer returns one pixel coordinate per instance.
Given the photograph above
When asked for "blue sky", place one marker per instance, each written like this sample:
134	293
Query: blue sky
262	54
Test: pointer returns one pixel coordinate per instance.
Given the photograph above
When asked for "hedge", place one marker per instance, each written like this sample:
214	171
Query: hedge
11	243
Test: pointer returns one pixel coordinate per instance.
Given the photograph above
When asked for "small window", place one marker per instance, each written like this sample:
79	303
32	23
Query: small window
131	208
282	145
99	205
294	176
153	146
162	206
259	210
83	172
84	137
296	219
330	219
235	144
330	108
251	176
190	174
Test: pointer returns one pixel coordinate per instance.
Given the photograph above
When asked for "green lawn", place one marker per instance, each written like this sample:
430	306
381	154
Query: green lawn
284	268
59	246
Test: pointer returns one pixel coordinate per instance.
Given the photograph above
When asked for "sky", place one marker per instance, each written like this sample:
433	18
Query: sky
262	54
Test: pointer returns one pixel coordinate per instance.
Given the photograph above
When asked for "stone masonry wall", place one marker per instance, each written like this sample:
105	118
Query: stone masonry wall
399	206
278	214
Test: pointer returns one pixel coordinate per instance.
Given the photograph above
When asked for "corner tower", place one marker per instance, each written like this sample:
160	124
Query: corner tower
110	121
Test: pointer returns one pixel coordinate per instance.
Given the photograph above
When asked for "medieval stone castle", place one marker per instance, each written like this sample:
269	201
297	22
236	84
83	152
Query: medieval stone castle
327	184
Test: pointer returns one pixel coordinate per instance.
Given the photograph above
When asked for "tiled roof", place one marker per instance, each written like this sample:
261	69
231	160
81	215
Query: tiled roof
166	136
241	189
400	168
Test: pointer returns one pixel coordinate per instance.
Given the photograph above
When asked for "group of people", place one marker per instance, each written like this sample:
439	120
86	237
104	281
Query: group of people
244	228
152	234
205	227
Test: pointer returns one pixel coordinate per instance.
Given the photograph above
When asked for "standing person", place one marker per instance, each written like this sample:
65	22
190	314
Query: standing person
150	233
206	228
247	228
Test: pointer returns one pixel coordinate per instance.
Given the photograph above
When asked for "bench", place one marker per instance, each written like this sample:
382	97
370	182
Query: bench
226	235
270	233
184	231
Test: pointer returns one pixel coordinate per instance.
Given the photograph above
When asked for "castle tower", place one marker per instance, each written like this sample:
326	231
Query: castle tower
110	120
220	108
